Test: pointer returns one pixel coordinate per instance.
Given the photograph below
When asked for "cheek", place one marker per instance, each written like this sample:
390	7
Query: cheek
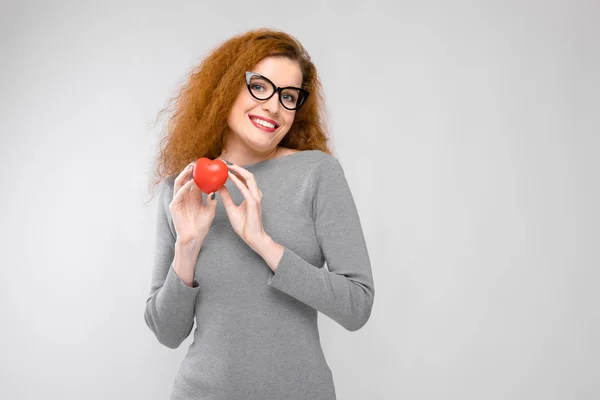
247	103
239	110
289	120
243	104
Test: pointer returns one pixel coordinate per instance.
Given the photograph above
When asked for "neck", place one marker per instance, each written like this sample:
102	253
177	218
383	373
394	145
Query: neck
243	157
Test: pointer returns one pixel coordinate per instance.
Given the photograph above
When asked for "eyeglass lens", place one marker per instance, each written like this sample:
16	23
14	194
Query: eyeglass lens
262	90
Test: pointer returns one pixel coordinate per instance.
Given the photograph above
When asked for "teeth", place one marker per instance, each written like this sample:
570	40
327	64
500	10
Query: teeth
263	123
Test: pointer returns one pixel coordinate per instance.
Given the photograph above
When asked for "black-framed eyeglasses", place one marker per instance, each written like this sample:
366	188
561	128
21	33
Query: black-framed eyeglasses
262	88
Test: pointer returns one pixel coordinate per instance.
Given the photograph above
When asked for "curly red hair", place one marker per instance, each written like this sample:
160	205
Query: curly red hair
203	103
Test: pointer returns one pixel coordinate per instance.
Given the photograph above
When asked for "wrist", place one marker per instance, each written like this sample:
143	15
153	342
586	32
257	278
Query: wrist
270	251
260	246
188	244
185	259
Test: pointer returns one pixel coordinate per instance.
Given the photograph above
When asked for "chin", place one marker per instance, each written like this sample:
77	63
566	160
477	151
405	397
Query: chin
261	144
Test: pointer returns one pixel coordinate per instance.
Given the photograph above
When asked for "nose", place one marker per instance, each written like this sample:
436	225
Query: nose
272	105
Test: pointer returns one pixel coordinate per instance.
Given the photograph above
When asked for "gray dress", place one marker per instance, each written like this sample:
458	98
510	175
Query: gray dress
256	334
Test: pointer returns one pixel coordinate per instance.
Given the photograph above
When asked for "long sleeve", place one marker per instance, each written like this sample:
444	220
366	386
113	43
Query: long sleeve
345	291
170	306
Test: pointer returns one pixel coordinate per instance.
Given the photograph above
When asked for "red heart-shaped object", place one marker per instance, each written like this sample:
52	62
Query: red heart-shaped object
210	175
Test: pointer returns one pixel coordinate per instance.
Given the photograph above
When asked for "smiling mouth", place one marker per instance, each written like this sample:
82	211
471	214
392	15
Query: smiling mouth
262	123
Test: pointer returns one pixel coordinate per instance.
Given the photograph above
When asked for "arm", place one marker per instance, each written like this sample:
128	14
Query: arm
345	292
170	306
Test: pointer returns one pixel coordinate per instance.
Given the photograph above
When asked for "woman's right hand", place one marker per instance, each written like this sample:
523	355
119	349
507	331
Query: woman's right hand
191	217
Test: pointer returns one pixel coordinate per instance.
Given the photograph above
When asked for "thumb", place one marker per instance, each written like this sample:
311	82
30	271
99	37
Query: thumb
211	200
226	198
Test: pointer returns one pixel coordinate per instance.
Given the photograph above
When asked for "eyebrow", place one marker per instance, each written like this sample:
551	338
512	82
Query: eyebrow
287	86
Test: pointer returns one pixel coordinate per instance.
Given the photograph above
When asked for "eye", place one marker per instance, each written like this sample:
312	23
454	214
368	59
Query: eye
289	97
257	87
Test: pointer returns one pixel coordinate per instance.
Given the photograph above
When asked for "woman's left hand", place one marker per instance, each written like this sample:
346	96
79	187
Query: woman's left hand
246	219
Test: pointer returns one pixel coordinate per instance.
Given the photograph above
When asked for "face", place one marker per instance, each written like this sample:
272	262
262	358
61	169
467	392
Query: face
249	116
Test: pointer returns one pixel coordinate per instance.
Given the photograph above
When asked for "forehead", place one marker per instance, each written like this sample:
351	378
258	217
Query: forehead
280	70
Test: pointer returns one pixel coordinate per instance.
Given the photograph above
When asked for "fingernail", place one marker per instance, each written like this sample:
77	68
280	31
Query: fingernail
212	197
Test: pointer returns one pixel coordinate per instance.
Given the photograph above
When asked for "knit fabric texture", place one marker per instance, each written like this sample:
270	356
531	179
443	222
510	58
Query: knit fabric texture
256	334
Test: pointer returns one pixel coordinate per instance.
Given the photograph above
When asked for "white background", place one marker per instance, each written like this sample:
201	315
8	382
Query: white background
468	132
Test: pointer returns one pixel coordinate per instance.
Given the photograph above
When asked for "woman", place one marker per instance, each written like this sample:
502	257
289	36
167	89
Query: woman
252	275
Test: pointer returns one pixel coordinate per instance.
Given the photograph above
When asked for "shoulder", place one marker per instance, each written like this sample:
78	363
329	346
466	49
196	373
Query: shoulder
306	162
318	158
329	185
165	189
324	163
324	170
318	165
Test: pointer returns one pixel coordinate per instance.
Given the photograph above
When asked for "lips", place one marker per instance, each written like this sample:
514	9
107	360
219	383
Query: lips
264	123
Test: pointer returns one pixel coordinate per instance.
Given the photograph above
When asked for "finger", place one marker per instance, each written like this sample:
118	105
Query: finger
181	178
225	196
249	177
227	201
210	201
182	191
238	176
245	192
